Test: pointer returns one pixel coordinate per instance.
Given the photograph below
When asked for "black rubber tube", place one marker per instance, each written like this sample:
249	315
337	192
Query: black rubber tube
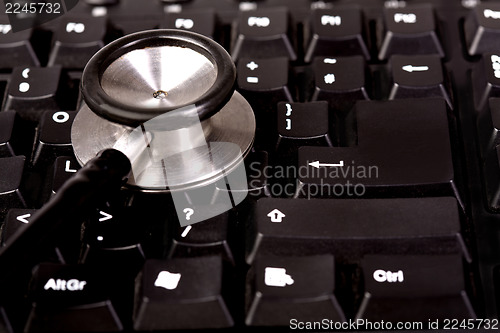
94	183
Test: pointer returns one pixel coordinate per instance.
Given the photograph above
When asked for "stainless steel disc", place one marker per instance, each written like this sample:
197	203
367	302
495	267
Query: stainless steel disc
185	158
160	76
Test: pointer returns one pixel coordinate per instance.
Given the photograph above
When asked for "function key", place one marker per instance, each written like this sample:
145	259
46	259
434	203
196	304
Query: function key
418	287
187	292
410	30
292	287
263	33
101	2
76	40
132	16
337	32
418	77
196	21
16	48
482	29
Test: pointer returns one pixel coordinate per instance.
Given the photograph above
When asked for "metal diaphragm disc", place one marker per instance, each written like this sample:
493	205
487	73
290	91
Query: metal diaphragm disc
233	126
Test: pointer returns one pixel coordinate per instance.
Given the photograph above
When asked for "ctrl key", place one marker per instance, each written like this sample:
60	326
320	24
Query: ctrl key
414	288
69	298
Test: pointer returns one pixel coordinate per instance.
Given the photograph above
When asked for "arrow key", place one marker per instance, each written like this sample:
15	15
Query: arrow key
418	77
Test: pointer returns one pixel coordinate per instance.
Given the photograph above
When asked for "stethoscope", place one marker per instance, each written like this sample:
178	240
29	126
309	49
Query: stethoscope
166	99
159	114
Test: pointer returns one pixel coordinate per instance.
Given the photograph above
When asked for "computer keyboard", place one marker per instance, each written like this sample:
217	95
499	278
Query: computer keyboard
373	196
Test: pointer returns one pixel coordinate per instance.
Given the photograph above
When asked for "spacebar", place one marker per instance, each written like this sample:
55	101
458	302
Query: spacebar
351	228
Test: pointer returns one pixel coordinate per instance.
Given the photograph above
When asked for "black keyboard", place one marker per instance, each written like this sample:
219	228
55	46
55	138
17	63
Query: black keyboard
373	181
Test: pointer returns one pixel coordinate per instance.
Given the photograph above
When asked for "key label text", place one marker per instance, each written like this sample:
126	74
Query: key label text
277	277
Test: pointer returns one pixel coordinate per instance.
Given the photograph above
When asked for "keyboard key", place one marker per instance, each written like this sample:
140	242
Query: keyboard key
391	158
133	16
303	124
11	173
489	126
70	299
491	171
410	30
186	292
54	137
283	288
18	219
482	29
210	237
7	119
486	79
256	165
101	2
303	120
264	75
264	82
5	326
76	40
16	48
263	34
351	228
412	288
114	242
418	77
33	90
337	32
65	167
340	81
15	219
202	22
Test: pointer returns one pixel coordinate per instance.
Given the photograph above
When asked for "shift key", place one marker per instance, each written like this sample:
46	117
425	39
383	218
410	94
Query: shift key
352	228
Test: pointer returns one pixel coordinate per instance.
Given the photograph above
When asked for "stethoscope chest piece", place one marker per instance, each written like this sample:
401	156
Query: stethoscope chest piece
166	99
